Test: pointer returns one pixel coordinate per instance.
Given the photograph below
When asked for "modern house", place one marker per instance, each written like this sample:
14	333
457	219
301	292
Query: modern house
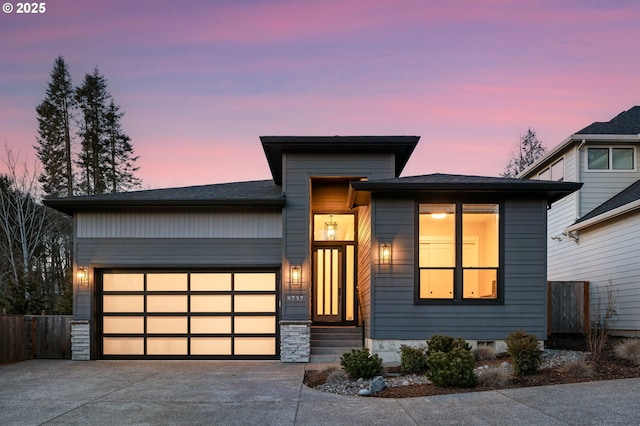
594	233
336	238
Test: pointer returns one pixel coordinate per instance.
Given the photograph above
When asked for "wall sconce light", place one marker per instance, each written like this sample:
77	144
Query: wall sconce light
330	229
82	274
385	254
296	275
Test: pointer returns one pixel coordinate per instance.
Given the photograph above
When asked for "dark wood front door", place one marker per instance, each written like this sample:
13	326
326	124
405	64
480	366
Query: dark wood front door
333	284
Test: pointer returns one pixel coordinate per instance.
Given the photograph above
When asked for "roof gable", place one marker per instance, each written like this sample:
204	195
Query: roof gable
274	146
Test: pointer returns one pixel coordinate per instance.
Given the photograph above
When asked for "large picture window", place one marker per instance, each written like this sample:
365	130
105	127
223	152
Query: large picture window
458	251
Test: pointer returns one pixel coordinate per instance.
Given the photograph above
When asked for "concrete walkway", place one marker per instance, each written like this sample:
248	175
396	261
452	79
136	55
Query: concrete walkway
271	393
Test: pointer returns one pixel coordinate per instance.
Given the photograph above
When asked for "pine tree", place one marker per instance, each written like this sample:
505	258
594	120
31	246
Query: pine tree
54	133
106	158
92	99
530	149
119	167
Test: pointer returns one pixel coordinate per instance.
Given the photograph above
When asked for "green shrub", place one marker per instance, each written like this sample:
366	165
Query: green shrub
452	369
523	348
443	343
412	360
361	364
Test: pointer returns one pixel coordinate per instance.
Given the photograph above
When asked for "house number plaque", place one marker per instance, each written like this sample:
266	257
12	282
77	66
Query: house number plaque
296	298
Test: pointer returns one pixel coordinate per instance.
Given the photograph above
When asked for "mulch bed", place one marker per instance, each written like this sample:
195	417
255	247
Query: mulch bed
608	367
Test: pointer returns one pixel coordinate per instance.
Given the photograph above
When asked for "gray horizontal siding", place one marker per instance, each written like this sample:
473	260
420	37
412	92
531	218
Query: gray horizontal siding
397	317
143	252
298	169
179	225
171	253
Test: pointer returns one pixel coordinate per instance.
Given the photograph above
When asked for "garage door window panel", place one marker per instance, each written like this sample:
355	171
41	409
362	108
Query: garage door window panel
184	314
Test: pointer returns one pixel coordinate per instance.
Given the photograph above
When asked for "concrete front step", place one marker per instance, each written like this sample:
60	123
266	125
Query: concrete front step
336	350
329	343
354	343
324	359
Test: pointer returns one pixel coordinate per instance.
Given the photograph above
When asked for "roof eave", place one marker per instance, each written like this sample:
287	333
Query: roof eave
603	217
70	206
552	192
605	137
571	140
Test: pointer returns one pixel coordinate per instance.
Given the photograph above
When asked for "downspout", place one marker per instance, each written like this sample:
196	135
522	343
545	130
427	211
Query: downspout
579	171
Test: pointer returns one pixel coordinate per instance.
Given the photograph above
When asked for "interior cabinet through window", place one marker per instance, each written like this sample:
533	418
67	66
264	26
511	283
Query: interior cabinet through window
458	251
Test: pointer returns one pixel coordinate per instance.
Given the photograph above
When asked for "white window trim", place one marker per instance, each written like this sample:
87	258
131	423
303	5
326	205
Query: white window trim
610	169
550	167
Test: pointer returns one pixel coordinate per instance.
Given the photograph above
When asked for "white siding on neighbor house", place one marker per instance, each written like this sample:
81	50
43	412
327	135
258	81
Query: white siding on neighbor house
608	252
599	186
560	247
179	225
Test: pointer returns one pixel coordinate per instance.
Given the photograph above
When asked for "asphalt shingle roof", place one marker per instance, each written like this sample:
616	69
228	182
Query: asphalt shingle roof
250	193
625	123
439	182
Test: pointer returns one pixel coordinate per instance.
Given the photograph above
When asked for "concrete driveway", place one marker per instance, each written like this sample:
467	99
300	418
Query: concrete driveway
271	393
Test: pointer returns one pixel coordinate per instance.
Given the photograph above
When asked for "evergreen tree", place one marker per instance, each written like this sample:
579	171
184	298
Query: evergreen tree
54	133
106	158
92	99
119	167
530	149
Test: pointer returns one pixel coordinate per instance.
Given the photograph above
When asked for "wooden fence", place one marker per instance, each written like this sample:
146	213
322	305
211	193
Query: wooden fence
34	336
568	306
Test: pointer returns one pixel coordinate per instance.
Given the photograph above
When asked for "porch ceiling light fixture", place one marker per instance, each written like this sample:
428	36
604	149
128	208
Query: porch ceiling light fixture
330	229
82	274
385	254
296	275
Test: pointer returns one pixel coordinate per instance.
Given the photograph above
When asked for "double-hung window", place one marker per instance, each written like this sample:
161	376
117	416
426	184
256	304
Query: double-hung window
458	252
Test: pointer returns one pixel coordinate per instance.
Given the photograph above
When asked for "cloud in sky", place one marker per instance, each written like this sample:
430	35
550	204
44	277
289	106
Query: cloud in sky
201	81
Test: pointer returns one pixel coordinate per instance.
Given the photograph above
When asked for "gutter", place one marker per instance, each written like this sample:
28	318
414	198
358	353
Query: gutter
627	208
575	138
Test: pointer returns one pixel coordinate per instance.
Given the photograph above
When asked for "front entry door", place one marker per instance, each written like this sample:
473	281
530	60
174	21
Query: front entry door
334	289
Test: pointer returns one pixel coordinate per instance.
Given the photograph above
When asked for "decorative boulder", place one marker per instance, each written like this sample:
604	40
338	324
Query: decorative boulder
377	384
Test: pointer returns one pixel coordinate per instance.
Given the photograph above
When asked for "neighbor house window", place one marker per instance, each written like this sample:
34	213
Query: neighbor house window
610	158
554	172
458	251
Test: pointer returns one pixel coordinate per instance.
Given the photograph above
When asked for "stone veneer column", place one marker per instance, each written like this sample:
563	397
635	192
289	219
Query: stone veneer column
80	340
295	341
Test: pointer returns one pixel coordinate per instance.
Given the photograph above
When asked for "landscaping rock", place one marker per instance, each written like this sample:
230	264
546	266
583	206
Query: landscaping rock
377	384
364	392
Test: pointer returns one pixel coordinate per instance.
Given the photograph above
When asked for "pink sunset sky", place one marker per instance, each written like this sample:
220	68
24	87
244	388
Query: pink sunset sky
200	81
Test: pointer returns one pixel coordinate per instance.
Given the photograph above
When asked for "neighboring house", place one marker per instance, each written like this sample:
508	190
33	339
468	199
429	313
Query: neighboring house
244	270
594	233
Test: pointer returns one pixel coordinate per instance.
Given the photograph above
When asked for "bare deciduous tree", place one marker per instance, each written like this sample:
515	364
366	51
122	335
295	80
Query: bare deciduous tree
23	230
